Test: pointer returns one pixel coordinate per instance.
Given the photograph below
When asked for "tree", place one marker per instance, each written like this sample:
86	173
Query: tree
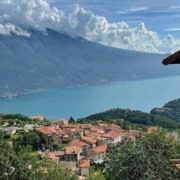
147	159
12	166
96	174
31	138
71	120
22	165
52	170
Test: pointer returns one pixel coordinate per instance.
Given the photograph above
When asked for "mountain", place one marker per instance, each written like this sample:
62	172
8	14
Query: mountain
121	116
170	110
49	60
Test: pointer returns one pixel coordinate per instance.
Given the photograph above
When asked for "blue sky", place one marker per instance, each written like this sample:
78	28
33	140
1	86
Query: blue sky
161	16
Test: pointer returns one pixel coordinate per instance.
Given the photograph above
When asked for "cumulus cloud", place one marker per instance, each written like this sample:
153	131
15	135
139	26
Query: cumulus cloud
8	29
120	35
36	14
18	16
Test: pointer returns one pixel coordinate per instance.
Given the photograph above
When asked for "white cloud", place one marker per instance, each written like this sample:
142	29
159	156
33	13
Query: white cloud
172	29
16	15
119	35
8	29
137	9
133	10
32	13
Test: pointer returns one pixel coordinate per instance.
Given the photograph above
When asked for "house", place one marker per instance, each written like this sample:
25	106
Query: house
37	118
72	153
83	145
112	137
10	130
56	156
84	166
48	134
89	140
76	132
61	123
29	127
98	154
46	130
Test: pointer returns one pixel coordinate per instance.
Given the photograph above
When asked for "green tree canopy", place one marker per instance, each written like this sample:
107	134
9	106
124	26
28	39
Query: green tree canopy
147	159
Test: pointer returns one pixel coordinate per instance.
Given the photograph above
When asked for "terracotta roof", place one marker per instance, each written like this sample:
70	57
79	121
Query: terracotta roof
93	135
58	153
55	155
78	142
85	126
99	149
111	135
103	125
84	164
88	140
52	156
94	129
46	130
116	128
72	150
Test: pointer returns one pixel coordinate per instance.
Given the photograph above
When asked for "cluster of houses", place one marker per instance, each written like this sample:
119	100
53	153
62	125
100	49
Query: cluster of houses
86	144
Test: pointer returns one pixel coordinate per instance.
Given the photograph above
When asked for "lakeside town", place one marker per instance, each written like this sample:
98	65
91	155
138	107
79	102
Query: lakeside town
82	145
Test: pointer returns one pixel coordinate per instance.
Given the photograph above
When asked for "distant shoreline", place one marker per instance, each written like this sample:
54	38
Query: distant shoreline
19	94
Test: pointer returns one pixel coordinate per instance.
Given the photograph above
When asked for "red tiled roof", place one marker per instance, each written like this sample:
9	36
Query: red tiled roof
84	164
94	129
88	140
46	130
93	134
111	135
55	155
79	143
99	149
72	150
103	124
85	126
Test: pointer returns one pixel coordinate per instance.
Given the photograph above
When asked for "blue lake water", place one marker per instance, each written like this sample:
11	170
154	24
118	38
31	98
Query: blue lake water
82	101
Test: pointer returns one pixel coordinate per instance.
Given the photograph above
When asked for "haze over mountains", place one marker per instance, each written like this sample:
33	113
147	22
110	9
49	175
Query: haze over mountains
56	60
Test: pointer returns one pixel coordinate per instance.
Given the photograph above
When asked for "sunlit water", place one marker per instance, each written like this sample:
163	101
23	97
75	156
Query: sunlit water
82	101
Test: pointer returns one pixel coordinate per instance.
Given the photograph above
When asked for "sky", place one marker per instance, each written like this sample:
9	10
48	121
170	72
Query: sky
161	16
141	25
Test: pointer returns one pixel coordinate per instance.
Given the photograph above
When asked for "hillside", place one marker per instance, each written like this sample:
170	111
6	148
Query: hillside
55	60
134	117
170	109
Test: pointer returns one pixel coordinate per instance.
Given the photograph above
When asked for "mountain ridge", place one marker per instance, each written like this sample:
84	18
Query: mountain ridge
53	60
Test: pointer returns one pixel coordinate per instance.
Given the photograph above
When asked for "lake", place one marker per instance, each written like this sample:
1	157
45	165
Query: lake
82	101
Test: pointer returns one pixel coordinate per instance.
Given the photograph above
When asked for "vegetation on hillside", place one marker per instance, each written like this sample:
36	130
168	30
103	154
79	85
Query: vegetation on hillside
147	158
170	109
24	164
18	119
124	116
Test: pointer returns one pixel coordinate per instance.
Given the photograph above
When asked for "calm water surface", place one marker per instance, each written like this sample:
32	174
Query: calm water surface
82	101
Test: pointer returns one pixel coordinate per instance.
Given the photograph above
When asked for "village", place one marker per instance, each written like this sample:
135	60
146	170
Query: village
84	144
87	144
